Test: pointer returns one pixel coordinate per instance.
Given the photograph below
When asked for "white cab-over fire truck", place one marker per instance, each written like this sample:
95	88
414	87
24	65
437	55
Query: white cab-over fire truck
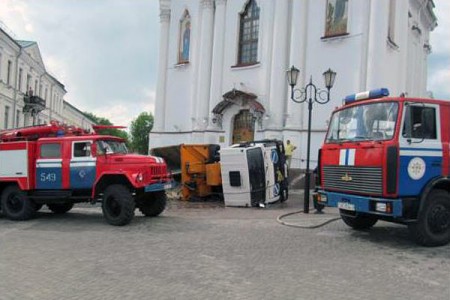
387	158
59	165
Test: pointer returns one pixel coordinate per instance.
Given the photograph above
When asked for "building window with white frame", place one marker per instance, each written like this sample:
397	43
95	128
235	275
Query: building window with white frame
336	18
20	80
248	34
8	74
1	67
17	118
6	119
184	38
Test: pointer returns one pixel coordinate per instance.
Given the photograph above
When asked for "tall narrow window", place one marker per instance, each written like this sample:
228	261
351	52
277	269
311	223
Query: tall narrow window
28	82
391	26
1	67
336	17
20	79
17	118
248	34
8	75
185	38
6	122
35	87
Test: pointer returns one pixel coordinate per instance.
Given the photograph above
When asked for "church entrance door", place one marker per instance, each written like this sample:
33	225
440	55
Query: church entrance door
243	127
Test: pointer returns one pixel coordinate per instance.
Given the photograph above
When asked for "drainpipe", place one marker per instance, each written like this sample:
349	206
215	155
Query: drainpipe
15	87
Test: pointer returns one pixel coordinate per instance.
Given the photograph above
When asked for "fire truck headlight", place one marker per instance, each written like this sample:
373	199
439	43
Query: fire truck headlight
384	207
139	177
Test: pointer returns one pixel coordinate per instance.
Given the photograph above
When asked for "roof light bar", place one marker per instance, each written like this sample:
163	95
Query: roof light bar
372	94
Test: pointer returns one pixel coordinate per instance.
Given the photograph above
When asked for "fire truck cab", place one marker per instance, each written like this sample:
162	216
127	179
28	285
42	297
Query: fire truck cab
387	158
59	165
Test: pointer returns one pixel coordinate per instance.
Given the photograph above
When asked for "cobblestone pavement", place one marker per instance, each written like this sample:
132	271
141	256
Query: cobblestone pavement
207	251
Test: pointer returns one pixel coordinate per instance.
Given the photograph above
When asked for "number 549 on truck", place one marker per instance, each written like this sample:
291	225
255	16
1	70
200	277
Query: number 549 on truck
59	165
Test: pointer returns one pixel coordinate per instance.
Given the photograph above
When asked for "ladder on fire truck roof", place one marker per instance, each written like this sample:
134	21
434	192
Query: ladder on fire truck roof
32	133
54	129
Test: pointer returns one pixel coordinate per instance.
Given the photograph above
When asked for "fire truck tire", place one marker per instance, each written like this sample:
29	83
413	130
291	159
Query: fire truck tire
359	222
60	208
16	205
154	204
118	205
433	225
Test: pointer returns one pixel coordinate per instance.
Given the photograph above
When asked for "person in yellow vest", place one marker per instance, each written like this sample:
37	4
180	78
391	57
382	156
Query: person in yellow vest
289	149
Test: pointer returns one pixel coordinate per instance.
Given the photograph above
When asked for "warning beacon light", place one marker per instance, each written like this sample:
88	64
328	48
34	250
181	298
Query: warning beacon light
372	94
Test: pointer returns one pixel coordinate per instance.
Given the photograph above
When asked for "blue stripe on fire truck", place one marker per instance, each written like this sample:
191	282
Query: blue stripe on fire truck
347	157
49	174
82	173
417	167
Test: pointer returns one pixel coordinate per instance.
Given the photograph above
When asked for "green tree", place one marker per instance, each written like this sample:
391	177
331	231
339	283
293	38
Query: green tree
110	131
139	131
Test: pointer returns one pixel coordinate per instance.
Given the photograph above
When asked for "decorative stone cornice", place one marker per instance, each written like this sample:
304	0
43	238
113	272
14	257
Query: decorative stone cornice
207	4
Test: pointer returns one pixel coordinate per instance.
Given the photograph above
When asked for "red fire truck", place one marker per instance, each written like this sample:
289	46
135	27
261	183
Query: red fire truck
60	165
387	158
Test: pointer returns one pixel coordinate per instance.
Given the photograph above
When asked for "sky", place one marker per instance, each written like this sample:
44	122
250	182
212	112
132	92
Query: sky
106	51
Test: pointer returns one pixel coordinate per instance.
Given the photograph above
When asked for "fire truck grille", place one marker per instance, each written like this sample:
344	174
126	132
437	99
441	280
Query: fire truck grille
367	180
158	171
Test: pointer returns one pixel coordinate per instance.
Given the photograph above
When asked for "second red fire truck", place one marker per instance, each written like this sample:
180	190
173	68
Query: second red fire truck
387	158
59	165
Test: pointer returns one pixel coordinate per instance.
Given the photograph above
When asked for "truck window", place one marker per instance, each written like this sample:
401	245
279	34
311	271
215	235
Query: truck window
51	150
81	149
423	122
373	121
110	147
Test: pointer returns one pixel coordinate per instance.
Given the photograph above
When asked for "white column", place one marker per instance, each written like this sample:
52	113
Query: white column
206	48
217	57
278	85
160	105
299	36
378	27
402	29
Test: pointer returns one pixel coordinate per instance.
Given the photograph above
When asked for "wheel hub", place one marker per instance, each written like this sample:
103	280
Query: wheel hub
439	220
14	204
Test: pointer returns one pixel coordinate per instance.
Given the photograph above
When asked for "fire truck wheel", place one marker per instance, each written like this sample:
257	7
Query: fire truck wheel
118	205
153	204
16	205
433	225
360	221
60	208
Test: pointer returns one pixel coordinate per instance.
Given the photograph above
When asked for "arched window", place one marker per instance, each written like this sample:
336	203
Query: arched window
248	34
185	38
336	17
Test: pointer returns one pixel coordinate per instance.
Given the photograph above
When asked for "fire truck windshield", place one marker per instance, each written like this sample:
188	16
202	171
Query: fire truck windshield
374	121
111	147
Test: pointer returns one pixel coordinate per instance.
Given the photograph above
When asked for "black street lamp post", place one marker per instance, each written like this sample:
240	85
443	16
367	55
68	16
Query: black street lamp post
310	94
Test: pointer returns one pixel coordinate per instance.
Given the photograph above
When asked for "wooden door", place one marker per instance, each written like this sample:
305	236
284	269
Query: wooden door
243	127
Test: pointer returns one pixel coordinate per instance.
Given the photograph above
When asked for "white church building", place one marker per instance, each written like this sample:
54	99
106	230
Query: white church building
222	64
